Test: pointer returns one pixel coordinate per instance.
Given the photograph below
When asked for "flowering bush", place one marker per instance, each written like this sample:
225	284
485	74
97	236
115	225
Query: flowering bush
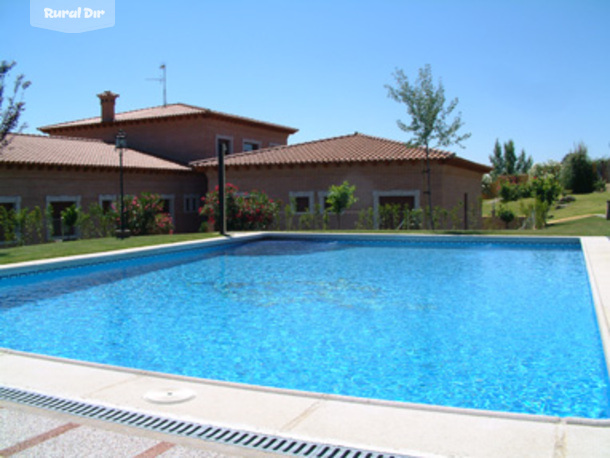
145	215
250	211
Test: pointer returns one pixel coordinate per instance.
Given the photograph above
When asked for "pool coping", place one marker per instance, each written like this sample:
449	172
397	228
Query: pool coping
414	428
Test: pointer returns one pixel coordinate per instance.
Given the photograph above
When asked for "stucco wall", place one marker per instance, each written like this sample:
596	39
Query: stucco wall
34	185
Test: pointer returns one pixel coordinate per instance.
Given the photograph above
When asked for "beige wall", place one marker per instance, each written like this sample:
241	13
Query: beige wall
34	185
449	183
182	140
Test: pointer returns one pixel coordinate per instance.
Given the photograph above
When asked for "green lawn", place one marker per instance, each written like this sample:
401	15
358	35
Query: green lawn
585	204
54	250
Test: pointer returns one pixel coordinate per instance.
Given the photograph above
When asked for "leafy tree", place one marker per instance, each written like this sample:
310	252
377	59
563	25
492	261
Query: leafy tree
9	115
577	171
429	115
340	198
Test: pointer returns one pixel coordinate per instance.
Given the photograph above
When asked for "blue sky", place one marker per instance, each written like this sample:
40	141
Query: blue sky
537	72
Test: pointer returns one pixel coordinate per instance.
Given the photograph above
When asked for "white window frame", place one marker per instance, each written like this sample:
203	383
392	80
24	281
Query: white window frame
252	142
51	199
231	143
415	193
190	203
15	200
309	194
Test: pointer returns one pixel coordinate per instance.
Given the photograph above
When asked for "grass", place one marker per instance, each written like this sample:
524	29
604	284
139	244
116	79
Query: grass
72	248
585	204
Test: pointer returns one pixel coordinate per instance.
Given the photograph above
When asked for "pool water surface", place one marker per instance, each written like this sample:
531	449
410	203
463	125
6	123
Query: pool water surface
494	326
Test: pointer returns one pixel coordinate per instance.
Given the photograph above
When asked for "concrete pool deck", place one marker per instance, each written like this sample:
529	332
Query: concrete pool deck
387	427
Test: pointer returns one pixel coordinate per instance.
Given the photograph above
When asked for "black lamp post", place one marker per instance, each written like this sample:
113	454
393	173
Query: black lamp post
121	144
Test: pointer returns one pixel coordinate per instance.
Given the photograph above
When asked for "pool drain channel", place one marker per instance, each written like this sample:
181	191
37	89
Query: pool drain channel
227	436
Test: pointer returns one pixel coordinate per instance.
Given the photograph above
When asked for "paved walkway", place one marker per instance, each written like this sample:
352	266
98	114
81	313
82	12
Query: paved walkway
31	432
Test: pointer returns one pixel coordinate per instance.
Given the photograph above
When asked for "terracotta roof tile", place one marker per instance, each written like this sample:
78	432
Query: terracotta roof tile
66	151
161	112
350	148
355	148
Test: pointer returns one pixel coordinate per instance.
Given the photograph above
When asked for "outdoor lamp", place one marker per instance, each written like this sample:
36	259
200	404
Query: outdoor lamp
121	144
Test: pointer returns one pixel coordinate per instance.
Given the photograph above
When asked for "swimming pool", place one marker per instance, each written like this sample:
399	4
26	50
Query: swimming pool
433	322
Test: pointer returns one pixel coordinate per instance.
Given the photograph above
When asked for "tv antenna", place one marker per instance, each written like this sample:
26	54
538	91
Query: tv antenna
162	80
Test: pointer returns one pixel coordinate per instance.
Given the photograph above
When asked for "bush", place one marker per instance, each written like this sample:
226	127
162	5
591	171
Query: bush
142	215
546	189
506	215
252	211
577	171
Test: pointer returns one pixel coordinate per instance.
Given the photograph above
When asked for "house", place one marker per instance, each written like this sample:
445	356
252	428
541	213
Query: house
383	171
41	171
172	151
78	163
178	132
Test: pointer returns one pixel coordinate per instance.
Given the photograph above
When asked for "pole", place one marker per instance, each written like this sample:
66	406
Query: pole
122	194
466	211
221	189
429	191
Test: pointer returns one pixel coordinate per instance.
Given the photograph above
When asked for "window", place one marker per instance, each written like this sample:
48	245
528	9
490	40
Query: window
58	204
251	145
191	203
302	202
168	204
404	198
9	204
322	195
106	201
224	144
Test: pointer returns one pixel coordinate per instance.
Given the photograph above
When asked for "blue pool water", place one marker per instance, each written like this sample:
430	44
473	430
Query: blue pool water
492	326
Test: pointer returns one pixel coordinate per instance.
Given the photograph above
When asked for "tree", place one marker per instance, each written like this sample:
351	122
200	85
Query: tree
577	171
9	116
510	158
524	163
340	198
429	116
507	162
497	160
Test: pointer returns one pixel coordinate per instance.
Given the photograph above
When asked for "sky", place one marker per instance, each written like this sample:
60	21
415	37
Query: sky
536	72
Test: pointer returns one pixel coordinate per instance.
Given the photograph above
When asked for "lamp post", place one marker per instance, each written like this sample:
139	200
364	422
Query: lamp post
121	144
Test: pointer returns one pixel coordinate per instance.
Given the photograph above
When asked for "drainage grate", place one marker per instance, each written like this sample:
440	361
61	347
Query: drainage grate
228	436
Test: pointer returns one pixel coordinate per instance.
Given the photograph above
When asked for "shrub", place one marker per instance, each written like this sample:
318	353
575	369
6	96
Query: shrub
340	198
251	211
546	189
506	215
141	215
577	171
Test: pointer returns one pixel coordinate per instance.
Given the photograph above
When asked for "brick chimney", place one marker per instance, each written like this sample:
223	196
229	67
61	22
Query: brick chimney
107	101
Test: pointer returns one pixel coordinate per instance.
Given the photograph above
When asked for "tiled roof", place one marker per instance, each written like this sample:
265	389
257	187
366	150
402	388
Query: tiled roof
161	112
337	150
76	152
